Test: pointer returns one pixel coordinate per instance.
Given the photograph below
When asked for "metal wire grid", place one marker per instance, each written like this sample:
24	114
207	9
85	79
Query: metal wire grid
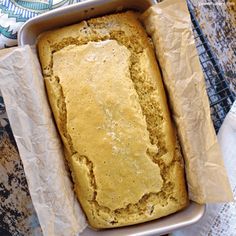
220	96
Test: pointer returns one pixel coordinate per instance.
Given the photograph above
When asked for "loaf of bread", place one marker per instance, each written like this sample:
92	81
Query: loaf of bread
107	97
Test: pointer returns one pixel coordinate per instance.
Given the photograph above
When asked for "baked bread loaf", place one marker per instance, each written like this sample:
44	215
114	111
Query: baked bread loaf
107	97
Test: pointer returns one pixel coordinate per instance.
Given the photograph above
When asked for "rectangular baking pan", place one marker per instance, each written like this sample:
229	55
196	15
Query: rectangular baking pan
73	14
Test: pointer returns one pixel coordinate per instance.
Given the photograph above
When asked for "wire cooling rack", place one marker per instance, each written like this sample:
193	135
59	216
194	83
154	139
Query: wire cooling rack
220	96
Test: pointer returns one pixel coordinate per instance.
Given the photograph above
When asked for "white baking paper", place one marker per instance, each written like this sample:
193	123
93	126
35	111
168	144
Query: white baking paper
50	187
169	25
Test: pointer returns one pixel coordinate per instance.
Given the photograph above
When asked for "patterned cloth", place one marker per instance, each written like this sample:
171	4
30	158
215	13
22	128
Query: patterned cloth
13	14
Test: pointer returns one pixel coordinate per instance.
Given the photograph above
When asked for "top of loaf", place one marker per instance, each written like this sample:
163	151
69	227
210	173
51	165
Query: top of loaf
109	104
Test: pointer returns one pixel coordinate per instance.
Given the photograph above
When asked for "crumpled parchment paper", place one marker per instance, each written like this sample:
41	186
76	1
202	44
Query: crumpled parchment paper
22	87
169	25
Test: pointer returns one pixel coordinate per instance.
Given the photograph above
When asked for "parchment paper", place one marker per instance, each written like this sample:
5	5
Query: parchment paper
169	25
39	146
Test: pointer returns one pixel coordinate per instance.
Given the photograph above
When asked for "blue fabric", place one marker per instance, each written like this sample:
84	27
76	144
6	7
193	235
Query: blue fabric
13	13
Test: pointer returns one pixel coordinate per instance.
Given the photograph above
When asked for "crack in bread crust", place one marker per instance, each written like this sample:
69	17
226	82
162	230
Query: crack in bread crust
154	134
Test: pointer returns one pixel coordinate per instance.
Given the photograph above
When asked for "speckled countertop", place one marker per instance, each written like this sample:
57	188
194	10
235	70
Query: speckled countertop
17	215
218	23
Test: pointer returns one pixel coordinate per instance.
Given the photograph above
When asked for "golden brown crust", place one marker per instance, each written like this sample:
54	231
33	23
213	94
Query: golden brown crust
113	117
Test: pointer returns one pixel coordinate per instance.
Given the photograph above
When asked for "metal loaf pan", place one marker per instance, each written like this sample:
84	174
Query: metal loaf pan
73	14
